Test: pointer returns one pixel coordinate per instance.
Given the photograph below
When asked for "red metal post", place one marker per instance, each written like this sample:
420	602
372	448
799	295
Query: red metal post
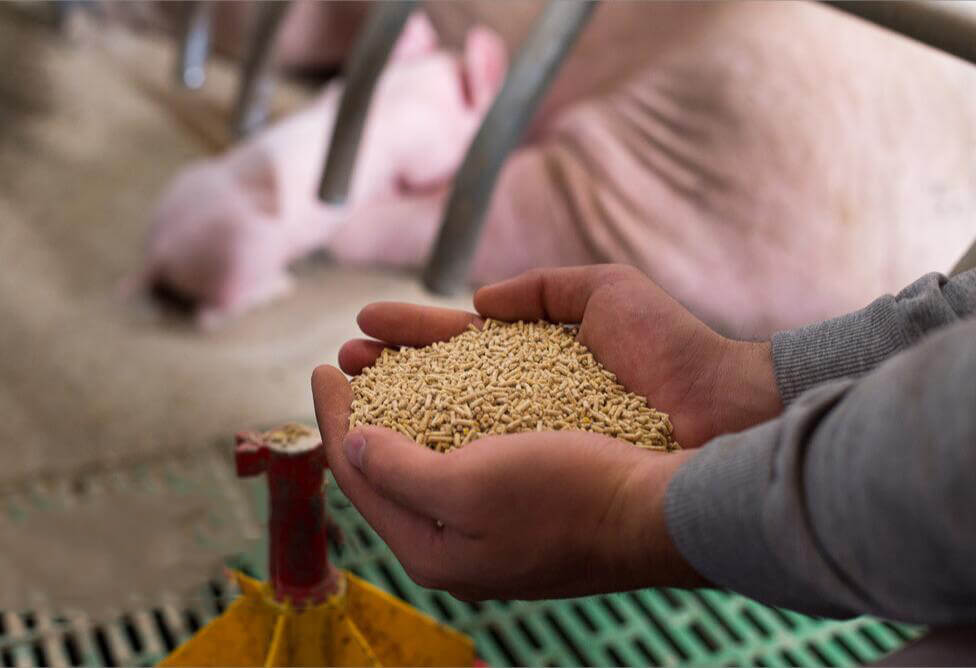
299	567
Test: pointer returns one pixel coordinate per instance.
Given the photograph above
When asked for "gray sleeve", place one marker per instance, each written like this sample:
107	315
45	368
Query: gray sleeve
853	344
860	498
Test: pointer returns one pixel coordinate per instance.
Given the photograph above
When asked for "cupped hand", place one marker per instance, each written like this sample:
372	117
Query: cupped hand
534	515
708	384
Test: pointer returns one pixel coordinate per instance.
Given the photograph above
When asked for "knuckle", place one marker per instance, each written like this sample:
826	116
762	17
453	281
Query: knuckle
380	475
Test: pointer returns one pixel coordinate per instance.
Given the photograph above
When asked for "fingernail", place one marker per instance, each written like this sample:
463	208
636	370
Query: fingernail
354	444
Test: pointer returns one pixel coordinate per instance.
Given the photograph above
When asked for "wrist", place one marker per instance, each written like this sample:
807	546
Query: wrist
652	559
745	391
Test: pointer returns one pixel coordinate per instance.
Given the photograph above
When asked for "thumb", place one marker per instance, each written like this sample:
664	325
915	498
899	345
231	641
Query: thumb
410	475
332	396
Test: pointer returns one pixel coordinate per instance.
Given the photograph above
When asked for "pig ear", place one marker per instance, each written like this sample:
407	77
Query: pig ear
485	64
418	38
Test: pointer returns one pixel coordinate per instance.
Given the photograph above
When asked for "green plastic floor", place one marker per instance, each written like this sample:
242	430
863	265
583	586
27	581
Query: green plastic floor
651	627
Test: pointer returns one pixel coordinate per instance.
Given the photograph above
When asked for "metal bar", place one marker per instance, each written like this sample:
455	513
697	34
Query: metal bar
257	82
533	70
947	26
195	44
363	68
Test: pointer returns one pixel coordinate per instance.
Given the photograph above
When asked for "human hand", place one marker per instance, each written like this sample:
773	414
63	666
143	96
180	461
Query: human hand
708	384
533	515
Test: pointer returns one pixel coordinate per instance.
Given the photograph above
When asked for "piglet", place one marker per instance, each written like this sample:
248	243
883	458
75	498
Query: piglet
226	229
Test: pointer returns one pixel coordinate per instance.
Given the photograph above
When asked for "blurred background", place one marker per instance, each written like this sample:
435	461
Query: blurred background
196	198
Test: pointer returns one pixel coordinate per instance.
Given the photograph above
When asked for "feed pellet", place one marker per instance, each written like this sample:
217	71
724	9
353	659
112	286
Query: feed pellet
502	379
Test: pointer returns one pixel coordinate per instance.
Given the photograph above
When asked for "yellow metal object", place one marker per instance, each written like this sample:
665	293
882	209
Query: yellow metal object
360	625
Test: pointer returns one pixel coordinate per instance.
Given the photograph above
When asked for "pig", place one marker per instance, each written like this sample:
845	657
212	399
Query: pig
226	229
769	164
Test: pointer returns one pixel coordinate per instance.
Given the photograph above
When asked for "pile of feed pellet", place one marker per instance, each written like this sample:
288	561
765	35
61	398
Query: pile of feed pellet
504	378
291	437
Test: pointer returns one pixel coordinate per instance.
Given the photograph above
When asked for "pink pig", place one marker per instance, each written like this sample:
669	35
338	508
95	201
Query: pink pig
769	164
226	229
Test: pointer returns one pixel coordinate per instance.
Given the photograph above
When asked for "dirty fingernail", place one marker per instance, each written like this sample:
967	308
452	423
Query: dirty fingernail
354	444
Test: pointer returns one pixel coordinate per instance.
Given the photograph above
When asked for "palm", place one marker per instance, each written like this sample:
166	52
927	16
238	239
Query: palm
657	350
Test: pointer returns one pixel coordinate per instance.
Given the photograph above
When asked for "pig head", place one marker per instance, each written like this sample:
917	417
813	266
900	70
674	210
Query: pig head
226	229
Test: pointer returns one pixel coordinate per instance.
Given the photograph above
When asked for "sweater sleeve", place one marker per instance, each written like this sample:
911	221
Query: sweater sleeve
856	343
858	499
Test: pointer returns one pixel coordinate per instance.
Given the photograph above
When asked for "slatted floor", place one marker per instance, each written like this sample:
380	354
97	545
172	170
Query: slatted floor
650	627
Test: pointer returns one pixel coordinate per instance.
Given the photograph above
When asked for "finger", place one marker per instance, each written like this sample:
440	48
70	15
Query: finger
412	325
356	355
423	481
332	396
556	295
